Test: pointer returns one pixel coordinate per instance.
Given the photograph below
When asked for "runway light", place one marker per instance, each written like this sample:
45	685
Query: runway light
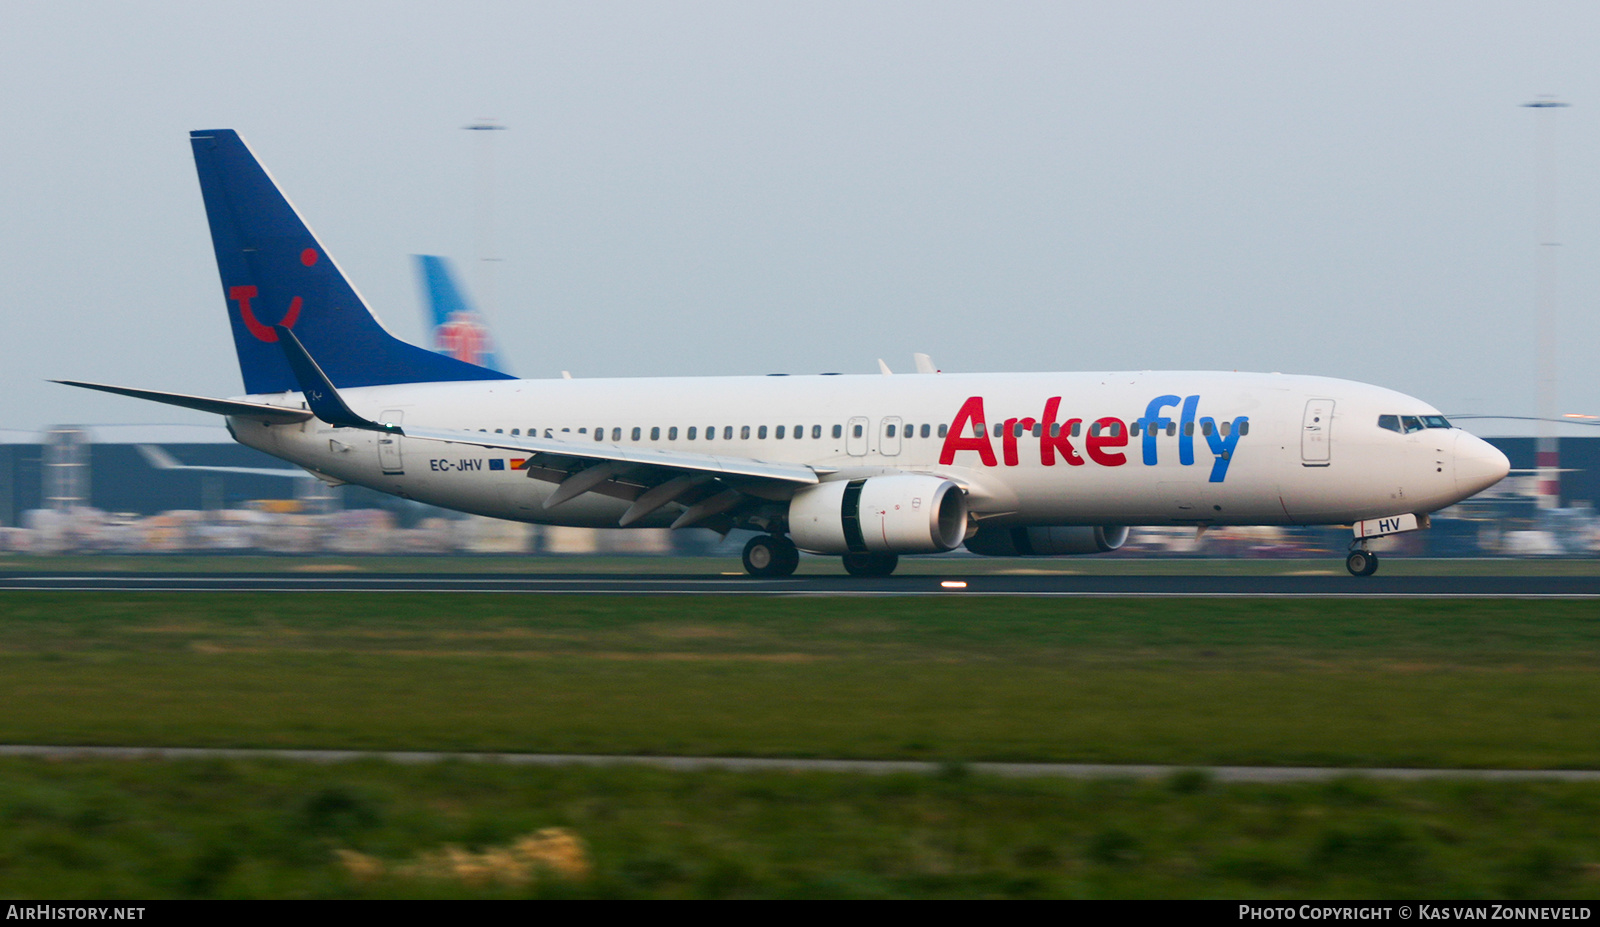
953	584
1579	415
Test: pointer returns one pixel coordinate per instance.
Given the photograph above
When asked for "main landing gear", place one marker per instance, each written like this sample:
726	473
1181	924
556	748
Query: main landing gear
769	555
870	564
1361	562
773	555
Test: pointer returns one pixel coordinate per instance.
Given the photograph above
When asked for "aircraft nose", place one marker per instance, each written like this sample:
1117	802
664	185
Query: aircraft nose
1478	464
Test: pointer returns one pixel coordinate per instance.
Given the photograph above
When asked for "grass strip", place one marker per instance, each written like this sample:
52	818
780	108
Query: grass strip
260	829
1183	682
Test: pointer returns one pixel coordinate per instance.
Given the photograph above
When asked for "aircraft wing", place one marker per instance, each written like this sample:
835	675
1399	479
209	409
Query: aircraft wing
650	478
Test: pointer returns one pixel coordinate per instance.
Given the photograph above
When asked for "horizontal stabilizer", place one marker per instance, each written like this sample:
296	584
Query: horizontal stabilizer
260	412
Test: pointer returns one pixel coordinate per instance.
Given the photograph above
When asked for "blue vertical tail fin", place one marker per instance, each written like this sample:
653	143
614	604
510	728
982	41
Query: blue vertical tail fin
275	272
459	331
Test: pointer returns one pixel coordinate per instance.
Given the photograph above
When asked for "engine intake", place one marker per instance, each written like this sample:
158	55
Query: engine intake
898	514
1048	541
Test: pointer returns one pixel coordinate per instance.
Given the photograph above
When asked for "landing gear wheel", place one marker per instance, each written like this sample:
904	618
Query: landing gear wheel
1361	563
770	555
870	564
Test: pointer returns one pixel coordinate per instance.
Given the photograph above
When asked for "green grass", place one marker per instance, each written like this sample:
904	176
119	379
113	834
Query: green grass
106	829
1185	682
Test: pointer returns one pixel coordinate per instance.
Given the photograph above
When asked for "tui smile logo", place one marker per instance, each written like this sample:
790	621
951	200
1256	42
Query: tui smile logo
244	294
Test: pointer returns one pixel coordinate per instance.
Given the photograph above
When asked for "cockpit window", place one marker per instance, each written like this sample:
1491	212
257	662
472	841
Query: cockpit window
1406	424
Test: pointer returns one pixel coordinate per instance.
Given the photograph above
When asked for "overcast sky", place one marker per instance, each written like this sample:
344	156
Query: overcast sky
740	188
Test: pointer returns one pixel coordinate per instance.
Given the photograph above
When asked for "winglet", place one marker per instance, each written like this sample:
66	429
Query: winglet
320	395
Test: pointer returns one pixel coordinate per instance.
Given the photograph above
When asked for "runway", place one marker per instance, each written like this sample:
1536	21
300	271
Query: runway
787	764
1340	586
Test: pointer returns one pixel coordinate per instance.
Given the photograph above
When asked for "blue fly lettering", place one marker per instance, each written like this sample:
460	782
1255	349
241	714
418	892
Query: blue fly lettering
1221	445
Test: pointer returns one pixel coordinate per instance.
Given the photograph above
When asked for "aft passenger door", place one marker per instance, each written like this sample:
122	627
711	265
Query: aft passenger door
389	445
1316	433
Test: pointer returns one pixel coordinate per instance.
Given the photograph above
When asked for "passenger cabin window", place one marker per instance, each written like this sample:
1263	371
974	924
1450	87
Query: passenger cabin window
692	432
838	431
856	431
1205	428
1244	427
655	432
761	432
636	433
672	433
888	431
616	434
778	434
744	432
599	434
727	432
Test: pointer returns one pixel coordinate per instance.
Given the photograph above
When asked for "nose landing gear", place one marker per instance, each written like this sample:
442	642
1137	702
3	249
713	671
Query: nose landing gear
1361	562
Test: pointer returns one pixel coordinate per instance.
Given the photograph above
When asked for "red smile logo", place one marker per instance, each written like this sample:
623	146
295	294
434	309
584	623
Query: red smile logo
244	294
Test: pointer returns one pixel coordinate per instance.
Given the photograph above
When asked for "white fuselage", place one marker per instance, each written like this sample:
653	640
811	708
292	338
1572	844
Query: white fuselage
1313	451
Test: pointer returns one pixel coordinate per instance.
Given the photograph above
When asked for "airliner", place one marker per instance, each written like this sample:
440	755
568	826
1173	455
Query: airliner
867	468
457	328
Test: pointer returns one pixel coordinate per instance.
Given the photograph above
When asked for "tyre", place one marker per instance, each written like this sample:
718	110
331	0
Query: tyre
870	564
769	555
1361	563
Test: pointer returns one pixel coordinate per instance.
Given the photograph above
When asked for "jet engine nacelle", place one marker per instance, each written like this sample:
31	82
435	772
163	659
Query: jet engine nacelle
895	514
1048	541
